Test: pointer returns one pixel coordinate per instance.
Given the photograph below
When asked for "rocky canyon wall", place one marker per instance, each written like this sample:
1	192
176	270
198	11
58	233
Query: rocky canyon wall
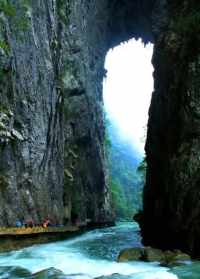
171	196
31	113
52	157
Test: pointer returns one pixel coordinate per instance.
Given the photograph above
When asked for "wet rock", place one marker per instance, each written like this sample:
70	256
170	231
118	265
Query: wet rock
14	272
115	276
131	254
175	258
153	255
149	254
50	273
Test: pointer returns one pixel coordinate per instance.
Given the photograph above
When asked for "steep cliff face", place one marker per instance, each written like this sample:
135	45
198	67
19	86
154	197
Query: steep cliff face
93	27
86	194
31	119
171	197
52	158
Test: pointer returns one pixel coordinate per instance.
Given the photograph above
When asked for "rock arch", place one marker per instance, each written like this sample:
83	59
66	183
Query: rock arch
52	158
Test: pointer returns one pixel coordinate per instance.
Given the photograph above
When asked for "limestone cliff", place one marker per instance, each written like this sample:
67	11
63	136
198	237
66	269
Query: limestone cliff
171	197
52	157
31	118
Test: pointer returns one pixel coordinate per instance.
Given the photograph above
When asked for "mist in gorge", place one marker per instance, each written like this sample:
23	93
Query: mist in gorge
127	94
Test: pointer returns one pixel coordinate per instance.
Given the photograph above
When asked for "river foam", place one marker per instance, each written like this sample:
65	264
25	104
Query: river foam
79	258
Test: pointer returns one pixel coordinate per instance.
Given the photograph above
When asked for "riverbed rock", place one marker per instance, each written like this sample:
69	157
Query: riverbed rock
115	276
50	273
131	254
149	254
153	255
14	272
175	258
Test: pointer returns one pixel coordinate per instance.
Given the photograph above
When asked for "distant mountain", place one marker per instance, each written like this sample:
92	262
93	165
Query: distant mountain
126	182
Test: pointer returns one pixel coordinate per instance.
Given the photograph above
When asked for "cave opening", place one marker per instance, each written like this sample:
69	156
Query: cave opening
127	91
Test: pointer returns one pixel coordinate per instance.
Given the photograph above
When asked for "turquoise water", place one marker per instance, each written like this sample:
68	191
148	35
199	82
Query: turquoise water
88	256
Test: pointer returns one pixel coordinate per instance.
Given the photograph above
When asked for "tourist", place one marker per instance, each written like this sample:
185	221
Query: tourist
46	223
19	224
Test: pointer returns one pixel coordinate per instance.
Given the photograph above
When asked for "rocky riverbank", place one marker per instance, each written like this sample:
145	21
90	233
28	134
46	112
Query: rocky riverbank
149	254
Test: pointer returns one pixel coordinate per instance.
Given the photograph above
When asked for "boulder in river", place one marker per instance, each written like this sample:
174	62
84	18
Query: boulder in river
173	258
153	255
131	254
14	272
115	276
149	254
50	273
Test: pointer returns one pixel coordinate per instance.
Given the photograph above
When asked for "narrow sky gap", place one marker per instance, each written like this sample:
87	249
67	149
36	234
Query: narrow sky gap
127	90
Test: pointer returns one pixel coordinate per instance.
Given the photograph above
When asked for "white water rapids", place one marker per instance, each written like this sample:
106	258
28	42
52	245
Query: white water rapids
88	256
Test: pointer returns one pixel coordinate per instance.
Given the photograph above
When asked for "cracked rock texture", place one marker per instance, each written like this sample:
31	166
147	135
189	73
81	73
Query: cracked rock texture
171	197
52	157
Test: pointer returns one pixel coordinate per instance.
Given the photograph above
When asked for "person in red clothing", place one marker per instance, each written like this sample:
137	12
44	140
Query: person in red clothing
46	223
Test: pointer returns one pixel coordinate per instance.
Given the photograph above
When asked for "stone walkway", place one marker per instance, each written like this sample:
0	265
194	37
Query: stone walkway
37	230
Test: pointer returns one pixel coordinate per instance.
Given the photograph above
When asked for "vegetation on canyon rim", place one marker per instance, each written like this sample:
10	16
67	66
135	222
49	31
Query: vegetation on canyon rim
126	177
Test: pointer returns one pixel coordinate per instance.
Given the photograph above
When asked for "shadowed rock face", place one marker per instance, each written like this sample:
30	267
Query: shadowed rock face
52	157
31	101
171	196
93	28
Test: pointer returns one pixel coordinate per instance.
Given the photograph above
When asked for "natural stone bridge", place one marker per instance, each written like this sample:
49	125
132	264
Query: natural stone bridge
52	157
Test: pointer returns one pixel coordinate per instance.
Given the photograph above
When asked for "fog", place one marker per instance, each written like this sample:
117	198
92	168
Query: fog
127	90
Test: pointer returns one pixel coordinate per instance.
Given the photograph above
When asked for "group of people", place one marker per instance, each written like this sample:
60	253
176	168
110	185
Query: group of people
30	224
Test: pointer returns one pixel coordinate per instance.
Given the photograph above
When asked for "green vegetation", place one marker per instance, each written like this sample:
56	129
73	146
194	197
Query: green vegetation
21	21
142	169
63	7
7	8
119	199
18	16
4	46
126	181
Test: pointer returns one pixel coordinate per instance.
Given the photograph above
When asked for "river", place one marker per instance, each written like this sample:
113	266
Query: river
88	256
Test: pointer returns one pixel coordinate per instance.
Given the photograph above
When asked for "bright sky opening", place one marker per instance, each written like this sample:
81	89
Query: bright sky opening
128	88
